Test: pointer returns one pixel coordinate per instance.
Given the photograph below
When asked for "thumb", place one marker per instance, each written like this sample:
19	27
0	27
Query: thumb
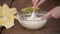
47	16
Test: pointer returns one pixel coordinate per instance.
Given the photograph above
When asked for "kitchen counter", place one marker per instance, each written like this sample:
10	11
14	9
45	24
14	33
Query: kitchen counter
52	26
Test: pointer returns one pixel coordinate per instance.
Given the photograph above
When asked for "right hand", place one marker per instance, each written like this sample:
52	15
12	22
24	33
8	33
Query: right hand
36	3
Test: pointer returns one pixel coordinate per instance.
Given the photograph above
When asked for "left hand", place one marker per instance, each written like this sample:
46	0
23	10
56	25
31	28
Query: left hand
55	13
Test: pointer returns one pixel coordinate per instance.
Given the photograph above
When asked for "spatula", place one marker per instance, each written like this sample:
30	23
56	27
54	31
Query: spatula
33	15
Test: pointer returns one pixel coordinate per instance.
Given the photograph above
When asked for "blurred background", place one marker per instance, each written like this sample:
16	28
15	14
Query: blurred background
52	26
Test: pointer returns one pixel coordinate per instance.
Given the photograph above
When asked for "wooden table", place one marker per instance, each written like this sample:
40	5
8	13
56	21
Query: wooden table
52	26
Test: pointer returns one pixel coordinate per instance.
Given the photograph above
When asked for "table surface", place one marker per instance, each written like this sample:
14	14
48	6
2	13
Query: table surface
52	26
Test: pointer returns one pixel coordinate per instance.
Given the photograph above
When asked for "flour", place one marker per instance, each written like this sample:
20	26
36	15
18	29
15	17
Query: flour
35	23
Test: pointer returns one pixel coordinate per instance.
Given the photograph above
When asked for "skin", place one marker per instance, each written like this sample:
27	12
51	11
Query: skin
37	3
55	12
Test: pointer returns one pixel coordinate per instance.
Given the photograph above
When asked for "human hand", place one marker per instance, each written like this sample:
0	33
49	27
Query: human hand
36	3
55	13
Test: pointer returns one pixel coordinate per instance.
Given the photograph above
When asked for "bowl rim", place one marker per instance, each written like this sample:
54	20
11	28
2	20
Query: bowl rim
30	20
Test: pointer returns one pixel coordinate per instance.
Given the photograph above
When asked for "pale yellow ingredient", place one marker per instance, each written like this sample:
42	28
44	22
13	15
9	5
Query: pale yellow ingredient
7	16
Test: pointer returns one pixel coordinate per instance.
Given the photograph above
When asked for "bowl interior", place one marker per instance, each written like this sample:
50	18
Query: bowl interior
25	16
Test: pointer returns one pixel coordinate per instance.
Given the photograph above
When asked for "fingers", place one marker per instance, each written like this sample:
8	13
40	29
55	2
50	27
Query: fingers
34	3
55	13
47	16
40	2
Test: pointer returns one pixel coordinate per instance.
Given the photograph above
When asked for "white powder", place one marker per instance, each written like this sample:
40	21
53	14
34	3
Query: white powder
33	24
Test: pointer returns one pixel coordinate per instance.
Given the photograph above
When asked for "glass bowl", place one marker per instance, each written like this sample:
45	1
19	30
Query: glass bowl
35	23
